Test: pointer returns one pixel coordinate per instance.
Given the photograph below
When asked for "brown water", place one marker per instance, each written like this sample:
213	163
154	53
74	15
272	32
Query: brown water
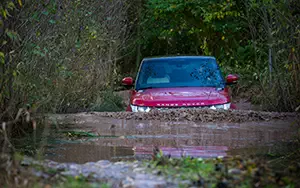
130	139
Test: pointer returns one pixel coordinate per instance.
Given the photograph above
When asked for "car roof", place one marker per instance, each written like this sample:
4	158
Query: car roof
178	57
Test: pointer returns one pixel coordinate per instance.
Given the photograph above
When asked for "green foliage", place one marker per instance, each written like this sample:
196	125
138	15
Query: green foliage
222	172
79	182
9	40
186	168
192	27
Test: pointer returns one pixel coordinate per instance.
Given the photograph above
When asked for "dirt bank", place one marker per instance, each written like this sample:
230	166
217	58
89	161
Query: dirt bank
202	115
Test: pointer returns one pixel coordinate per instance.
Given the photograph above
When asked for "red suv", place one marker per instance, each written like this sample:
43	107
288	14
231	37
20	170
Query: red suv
179	82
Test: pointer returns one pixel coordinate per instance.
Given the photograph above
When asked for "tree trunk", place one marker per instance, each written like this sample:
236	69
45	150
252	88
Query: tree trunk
138	53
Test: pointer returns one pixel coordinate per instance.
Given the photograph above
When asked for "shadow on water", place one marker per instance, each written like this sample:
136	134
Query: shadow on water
84	139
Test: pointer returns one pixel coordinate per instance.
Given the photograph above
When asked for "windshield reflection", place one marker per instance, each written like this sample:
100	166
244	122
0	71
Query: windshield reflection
174	72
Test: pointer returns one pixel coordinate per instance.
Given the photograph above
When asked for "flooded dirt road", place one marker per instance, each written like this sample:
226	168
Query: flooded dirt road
113	139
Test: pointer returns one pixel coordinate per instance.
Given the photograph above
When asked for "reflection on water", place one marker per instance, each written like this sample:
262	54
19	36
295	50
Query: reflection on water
129	139
193	151
82	153
136	139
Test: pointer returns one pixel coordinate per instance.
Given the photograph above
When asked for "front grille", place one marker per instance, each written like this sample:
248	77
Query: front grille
180	107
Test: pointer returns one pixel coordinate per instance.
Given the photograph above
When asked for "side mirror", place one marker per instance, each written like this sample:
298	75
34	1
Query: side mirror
128	81
232	79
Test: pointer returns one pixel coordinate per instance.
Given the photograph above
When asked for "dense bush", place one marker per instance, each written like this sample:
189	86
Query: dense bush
63	53
108	101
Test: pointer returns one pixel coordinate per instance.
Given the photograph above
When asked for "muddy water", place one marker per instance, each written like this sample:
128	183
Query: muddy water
119	139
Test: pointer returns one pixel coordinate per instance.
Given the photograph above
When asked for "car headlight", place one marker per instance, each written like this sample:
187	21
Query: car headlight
221	106
140	108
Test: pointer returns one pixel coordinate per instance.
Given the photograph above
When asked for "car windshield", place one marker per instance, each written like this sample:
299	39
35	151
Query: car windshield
179	72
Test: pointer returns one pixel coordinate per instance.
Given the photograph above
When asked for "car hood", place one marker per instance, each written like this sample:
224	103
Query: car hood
179	97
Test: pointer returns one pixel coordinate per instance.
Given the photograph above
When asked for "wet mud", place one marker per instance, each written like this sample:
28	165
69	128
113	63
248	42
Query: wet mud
200	115
128	136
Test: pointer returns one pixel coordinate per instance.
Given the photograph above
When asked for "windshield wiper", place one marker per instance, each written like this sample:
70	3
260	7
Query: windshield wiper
143	88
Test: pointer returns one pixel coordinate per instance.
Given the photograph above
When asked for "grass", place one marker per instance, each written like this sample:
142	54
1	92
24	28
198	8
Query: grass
224	172
108	101
78	182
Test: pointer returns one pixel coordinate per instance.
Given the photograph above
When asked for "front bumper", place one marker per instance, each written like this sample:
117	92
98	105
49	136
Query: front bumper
225	106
